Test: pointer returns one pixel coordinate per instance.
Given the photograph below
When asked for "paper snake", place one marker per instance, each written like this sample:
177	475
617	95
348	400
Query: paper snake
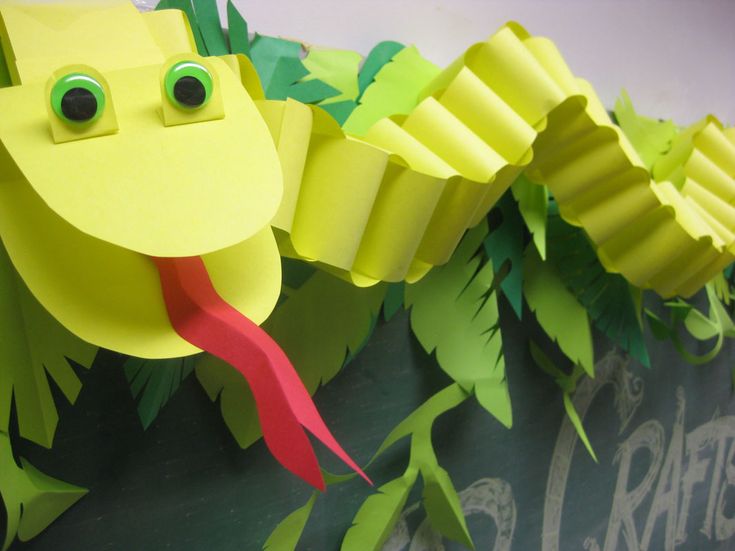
139	185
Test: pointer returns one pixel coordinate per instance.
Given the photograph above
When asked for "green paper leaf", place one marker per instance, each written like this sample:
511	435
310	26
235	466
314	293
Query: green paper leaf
220	380
309	91
505	244
533	204
378	515
568	384
381	54
210	27
237	29
560	315
322	322
422	418
286	535
443	506
577	423
265	53
188	9
650	138
393	299
337	68
340	110
35	346
606	296
455	313
32	499
395	90
154	382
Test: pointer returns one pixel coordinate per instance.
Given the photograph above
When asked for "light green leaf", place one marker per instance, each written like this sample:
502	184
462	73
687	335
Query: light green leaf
650	138
286	535
378	515
154	382
34	346
32	499
220	380
322	322
454	312
422	418
560	315
577	422
395	90
337	68
380	55
443	506
533	202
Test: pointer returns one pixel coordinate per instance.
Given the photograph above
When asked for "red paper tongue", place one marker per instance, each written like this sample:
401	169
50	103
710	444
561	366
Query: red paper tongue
200	316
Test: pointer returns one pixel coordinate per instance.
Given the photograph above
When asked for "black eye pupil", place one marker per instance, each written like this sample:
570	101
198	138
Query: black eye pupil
189	91
79	104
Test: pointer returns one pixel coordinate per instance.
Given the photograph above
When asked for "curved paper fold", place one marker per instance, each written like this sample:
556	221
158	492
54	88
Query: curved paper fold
396	202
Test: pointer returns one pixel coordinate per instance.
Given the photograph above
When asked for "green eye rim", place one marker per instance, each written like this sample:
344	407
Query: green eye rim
78	98
188	85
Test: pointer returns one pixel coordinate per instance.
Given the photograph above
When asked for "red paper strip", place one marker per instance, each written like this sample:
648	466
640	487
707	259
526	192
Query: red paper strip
203	318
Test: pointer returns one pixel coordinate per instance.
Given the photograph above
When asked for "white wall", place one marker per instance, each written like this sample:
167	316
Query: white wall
676	58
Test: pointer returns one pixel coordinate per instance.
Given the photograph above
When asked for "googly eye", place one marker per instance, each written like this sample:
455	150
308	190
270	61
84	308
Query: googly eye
188	85
78	98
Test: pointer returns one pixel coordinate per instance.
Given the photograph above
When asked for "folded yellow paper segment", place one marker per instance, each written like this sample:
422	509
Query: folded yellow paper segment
507	105
387	205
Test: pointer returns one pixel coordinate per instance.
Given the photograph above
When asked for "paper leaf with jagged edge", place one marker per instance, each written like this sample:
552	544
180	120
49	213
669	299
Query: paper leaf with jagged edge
455	313
504	246
378	515
533	204
153	382
650	138
32	499
286	535
320	324
607	297
34	347
558	312
443	506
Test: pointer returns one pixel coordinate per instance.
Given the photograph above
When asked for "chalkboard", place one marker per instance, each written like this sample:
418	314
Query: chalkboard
664	438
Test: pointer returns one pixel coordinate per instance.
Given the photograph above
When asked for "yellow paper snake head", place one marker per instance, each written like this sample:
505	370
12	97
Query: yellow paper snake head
123	157
116	146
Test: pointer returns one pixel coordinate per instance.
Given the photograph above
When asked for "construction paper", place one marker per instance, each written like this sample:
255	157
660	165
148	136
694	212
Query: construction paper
320	325
35	348
153	382
395	90
378	514
171	31
73	274
443	507
454	313
606	297
209	24
650	138
381	54
568	383
188	9
149	206
266	51
288	532
504	246
37	45
337	68
560	315
32	499
237	29
200	315
222	381
533	204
